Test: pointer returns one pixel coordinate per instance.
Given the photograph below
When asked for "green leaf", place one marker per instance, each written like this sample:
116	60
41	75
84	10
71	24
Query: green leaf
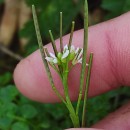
112	5
28	111
8	108
20	126
126	6
1	1
45	124
115	7
5	123
5	78
8	93
48	15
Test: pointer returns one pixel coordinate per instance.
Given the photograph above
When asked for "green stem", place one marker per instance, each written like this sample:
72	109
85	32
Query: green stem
55	50
71	34
85	46
43	55
53	43
52	65
86	90
61	31
73	116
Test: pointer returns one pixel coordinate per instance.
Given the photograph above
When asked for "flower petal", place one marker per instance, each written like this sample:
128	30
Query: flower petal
76	51
65	54
52	55
66	47
50	59
80	60
72	48
55	61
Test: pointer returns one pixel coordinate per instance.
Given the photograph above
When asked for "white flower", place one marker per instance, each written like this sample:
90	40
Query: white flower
76	51
72	49
65	47
52	59
66	51
78	56
65	54
74	55
52	55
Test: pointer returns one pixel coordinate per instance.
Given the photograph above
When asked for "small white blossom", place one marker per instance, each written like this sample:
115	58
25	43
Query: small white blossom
78	57
52	59
49	59
65	54
65	47
80	61
55	61
52	55
72	49
74	55
76	51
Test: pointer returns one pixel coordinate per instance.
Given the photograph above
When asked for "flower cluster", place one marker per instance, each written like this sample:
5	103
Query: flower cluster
69	54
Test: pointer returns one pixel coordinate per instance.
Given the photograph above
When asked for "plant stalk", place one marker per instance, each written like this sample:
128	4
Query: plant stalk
85	46
73	116
43	54
86	90
61	31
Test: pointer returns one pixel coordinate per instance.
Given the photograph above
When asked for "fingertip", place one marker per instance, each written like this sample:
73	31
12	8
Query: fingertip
31	80
23	77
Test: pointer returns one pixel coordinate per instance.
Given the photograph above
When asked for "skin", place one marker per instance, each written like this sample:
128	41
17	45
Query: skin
110	43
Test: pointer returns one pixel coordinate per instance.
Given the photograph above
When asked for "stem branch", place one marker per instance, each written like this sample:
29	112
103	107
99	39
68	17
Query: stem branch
43	55
85	46
86	90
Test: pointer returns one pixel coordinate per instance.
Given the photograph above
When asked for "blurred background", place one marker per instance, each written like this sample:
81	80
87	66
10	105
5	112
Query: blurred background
18	40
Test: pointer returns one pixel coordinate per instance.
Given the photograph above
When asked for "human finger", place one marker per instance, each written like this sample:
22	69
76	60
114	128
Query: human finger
118	120
110	43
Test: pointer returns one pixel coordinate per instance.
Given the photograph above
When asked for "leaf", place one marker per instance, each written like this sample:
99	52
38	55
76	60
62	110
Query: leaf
20	126
5	123
115	7
1	1
126	6
48	14
8	93
45	124
8	108
49	17
112	5
28	111
5	78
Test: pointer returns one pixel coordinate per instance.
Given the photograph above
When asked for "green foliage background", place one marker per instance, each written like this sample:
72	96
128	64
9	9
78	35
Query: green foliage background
18	112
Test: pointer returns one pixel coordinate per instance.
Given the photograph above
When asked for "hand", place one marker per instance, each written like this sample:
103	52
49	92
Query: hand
110	43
